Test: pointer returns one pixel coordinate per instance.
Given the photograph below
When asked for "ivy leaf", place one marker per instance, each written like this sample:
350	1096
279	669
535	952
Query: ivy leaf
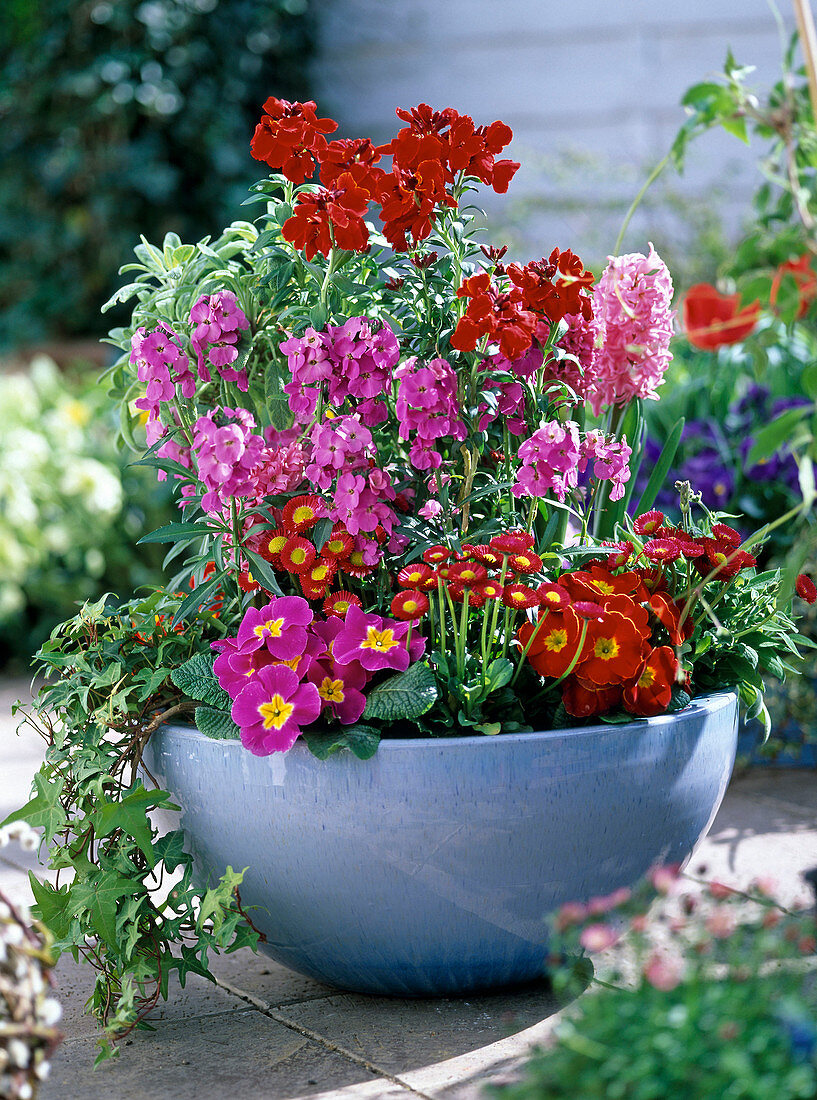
98	896
360	739
44	810
130	815
406	695
197	680
170	850
216	724
51	905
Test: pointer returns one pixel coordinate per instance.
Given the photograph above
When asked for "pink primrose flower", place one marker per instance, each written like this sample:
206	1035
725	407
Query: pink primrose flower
375	642
280	626
339	688
273	708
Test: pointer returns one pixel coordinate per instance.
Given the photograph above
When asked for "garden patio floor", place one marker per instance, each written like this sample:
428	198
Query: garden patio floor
265	1032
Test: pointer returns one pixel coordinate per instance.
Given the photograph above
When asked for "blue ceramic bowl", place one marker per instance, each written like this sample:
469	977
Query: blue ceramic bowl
430	869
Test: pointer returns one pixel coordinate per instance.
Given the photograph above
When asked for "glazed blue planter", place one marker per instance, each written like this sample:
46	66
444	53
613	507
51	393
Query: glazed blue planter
430	869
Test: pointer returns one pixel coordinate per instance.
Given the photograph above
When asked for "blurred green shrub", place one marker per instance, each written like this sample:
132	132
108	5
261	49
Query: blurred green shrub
71	508
119	117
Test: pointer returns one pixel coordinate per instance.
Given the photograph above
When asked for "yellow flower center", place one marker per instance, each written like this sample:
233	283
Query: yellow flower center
553	597
381	640
271	627
276	712
603	587
556	640
341	605
606	648
331	690
304	514
293	663
298	555
647	677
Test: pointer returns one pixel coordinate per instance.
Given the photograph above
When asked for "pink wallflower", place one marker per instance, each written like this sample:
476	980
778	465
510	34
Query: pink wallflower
549	461
354	361
161	365
273	708
217	325
280	626
341	444
375	642
664	972
633	325
427	405
227	453
610	460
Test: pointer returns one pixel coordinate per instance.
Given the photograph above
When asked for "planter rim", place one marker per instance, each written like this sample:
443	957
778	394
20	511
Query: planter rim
702	704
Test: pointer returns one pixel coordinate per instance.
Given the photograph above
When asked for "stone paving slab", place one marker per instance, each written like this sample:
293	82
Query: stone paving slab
266	1032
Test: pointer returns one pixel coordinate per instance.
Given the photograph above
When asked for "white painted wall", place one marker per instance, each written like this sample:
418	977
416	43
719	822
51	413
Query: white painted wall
591	89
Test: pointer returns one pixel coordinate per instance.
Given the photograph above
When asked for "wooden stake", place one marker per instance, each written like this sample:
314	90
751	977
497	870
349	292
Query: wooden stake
808	43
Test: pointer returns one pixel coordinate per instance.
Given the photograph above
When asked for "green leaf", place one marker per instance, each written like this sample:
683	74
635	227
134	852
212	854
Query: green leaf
262	572
130	815
320	533
170	850
318	316
199	596
661	469
406	695
360	739
98	896
772	437
174	532
197	680
499	673
44	810
216	724
52	905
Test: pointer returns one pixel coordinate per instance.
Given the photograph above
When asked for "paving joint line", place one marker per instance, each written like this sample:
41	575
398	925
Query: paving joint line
307	1032
796	808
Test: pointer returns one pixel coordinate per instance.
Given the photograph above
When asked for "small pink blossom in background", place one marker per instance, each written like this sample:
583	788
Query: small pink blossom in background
632	321
217	325
549	460
664	879
639	923
598	937
719	890
572	912
579	371
607	902
227	453
664	972
721	923
766	886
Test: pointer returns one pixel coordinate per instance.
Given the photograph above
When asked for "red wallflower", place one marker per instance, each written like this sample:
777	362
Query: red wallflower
357	155
805	588
408	199
287	136
651	691
803	274
554	287
712	320
325	218
500	317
